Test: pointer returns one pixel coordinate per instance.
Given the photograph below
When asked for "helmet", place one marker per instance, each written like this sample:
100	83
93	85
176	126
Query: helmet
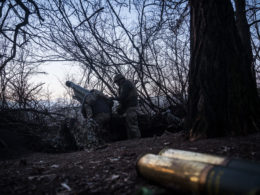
118	77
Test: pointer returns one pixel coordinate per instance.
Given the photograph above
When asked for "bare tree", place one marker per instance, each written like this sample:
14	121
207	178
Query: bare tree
14	17
222	93
17	89
253	17
148	41
22	91
104	40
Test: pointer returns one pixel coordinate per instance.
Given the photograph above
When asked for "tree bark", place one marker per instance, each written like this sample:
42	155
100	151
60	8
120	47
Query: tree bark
222	95
244	31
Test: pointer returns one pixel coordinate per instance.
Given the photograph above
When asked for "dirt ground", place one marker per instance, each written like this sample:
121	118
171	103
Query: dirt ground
109	169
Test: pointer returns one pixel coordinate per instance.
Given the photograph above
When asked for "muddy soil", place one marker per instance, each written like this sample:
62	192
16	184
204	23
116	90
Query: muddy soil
108	169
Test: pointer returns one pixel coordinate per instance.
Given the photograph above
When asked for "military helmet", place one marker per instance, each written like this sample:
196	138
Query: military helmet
118	77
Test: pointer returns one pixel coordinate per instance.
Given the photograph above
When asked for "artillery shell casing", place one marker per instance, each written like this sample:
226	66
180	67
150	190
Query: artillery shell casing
173	173
197	176
212	159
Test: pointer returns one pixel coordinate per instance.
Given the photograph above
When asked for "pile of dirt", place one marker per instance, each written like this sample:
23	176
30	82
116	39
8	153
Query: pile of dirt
109	169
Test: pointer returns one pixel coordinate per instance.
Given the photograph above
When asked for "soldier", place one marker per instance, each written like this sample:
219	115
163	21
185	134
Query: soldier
97	108
127	105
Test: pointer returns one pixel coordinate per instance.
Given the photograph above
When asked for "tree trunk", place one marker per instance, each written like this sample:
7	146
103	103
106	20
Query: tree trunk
244	31
222	95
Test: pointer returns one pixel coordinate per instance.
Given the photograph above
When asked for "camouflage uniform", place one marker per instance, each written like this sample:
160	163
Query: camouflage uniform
96	108
128	105
132	123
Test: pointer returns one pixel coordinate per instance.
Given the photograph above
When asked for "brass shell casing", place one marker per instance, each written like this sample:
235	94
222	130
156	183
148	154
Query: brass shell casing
242	165
174	173
194	156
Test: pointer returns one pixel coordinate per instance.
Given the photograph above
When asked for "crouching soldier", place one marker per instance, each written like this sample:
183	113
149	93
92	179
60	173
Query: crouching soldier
127	97
96	108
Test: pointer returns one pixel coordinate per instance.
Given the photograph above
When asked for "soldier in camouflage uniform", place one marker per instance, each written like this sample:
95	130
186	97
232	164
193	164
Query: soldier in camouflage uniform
96	109
127	97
